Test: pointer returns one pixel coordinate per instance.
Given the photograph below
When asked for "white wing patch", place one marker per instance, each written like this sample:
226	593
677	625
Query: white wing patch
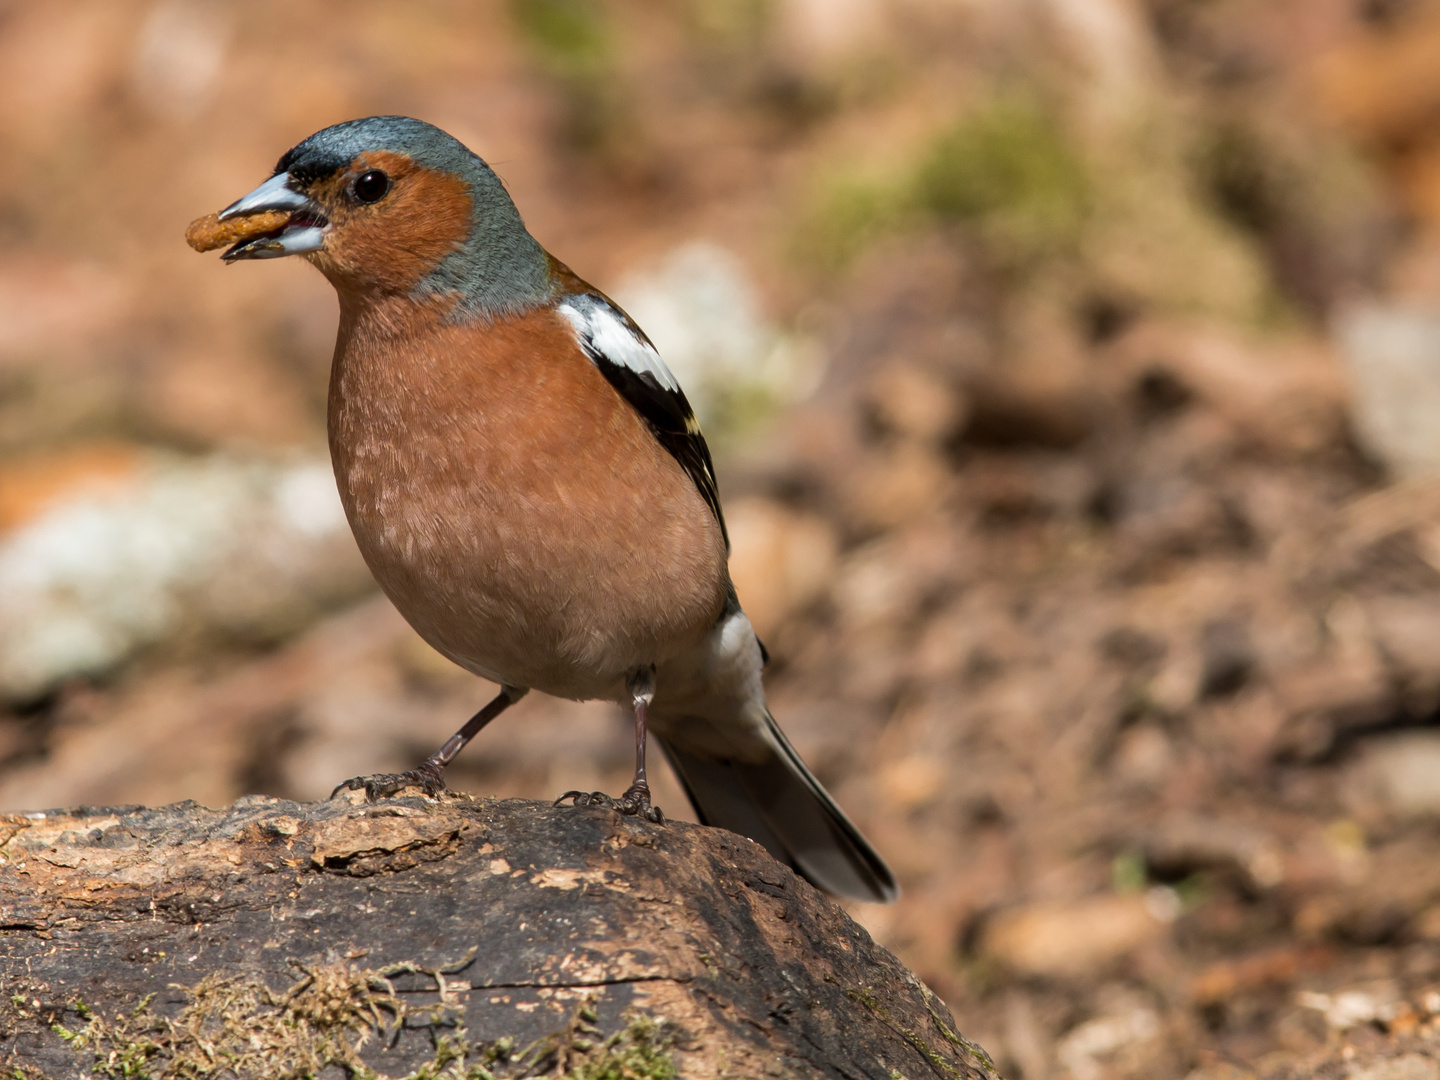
601	329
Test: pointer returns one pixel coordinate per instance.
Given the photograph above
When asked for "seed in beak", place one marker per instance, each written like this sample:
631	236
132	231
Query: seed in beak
208	233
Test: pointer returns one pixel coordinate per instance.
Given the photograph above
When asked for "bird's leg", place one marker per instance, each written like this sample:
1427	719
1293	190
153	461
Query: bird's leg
428	775
636	799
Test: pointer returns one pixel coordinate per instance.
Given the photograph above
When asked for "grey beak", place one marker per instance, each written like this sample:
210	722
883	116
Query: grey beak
305	232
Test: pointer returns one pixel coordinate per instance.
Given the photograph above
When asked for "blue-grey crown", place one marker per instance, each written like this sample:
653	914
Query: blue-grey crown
500	268
332	149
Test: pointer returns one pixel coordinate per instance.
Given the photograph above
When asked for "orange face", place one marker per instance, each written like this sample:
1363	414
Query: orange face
391	222
376	226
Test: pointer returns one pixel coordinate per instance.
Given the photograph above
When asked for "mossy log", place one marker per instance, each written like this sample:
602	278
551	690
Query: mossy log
451	938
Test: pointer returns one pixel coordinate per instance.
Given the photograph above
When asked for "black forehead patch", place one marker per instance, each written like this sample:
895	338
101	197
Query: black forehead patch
333	149
308	167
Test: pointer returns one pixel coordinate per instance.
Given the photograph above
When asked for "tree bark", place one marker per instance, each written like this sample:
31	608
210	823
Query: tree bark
413	937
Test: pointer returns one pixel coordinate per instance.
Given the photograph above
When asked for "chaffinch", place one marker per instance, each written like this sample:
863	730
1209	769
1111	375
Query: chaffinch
526	480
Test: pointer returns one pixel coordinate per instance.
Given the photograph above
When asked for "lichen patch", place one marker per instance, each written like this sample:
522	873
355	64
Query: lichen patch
555	877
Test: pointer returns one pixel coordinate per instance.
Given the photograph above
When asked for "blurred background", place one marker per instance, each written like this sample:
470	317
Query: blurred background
1073	372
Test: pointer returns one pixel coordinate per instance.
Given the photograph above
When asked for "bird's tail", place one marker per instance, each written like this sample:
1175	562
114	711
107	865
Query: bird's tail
779	804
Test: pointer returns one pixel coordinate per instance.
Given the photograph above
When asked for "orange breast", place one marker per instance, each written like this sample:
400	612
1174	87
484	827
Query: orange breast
514	507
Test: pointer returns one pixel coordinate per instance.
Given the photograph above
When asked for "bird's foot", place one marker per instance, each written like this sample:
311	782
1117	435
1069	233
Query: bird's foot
634	803
427	777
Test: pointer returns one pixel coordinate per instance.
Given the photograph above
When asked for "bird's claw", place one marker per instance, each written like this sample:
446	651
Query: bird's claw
634	803
426	777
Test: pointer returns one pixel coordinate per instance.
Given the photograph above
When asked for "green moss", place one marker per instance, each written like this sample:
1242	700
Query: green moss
736	411
729	24
1009	170
1004	173
1193	890
568	37
866	996
639	1052
239	1028
846	216
572	43
1129	873
1038	204
953	1037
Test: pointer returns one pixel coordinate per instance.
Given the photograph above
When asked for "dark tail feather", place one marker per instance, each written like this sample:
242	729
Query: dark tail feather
779	804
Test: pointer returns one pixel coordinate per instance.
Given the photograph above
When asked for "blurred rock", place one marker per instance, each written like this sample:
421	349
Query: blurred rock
1404	1067
1385	86
1007	487
885	584
1384	89
1277	967
818	35
223	396
897	486
780	560
1162	514
1028	408
1109	42
1184	845
1286	395
915	403
1399	773
1373	886
1083	1047
1027	1044
874	591
912	781
30	485
178	57
146	742
1347	684
1389	511
51	307
1392	355
1407	631
1073	940
1228	657
1350	1008
1426	925
186	546
1143	757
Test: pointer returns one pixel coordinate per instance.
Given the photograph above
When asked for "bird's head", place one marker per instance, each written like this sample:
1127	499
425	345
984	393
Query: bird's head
389	205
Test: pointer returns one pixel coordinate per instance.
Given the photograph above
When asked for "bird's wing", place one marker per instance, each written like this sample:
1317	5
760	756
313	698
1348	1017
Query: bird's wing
624	355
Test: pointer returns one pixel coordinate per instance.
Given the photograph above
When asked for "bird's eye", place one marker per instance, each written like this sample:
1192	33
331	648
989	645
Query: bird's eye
371	186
